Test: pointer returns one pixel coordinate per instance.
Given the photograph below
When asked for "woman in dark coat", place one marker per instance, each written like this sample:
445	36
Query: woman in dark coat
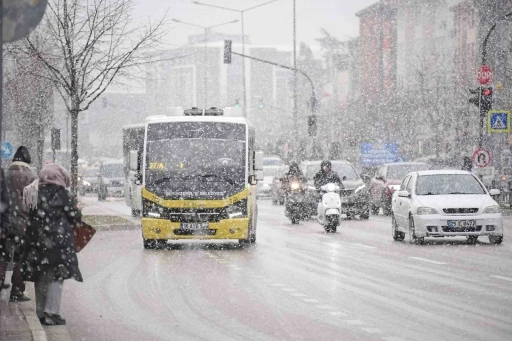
51	256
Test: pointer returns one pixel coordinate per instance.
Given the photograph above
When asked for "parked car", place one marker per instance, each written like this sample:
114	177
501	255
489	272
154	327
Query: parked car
111	179
277	192
355	197
264	187
445	203
387	180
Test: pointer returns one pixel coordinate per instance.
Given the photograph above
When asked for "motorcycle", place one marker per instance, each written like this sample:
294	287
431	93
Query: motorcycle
329	208
294	201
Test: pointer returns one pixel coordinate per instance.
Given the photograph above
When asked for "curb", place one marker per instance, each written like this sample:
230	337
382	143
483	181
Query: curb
109	228
28	312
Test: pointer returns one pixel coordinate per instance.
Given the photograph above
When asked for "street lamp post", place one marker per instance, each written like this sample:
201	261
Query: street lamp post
243	37
205	28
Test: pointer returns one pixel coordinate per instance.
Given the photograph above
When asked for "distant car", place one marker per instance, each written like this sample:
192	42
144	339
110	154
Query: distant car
355	197
445	203
273	161
387	180
264	188
90	177
111	179
277	192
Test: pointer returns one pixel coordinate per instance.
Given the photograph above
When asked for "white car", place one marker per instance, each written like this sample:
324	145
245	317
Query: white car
264	188
445	203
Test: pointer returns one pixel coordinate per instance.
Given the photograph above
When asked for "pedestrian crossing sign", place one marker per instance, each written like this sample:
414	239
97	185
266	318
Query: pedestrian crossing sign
498	121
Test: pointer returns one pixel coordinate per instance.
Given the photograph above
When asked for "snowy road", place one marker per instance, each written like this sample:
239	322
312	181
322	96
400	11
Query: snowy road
297	283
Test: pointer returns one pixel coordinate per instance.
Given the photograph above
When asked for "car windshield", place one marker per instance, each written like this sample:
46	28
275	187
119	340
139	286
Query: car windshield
113	171
341	169
398	172
446	184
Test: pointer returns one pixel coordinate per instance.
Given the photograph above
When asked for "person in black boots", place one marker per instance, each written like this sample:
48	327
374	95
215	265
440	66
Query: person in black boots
18	176
50	257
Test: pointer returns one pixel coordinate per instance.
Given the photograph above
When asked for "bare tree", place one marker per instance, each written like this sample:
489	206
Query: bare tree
28	102
95	43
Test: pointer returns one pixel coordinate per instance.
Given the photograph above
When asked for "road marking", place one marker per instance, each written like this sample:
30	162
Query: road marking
372	330
427	260
337	314
310	300
392	338
503	278
324	307
298	294
354	322
362	245
288	289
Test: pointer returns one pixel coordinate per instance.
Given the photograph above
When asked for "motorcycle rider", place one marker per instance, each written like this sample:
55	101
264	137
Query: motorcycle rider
326	175
293	173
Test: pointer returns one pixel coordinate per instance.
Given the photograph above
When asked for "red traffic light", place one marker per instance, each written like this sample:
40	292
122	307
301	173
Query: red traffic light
487	92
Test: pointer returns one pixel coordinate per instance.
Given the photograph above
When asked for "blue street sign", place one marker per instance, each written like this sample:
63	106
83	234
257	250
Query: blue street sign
372	155
498	121
7	150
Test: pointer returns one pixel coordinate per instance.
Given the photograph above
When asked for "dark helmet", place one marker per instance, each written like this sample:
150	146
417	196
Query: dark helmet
294	168
327	164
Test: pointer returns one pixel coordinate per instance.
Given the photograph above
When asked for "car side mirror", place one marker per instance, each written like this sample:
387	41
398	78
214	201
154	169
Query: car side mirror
365	178
344	178
495	192
259	175
134	160
404	194
258	161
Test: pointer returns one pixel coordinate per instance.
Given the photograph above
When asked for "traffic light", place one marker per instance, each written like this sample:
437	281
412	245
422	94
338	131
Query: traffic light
261	105
312	127
486	102
237	103
482	97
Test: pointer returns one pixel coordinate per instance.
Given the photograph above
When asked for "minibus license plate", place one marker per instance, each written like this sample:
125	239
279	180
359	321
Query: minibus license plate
194	226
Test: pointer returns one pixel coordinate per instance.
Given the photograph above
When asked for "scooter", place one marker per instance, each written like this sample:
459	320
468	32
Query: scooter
329	208
294	202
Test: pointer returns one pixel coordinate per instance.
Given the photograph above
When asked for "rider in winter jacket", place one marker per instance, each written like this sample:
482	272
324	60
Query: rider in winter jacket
293	173
326	175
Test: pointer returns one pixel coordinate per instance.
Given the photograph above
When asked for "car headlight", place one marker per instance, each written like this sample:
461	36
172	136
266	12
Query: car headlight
359	189
427	210
87	183
295	186
153	215
492	209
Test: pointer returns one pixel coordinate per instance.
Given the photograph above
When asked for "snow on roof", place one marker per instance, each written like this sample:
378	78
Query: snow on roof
443	171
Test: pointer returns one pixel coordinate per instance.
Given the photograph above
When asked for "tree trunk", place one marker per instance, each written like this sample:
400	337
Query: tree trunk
74	150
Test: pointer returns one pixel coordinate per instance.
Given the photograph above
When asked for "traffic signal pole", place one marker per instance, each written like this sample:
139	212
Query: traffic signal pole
481	135
313	94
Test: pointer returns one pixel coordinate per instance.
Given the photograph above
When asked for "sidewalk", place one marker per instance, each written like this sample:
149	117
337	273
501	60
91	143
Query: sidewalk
19	322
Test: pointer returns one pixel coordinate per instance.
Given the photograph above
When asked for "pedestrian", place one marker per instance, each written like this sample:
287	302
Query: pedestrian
51	257
17	177
4	228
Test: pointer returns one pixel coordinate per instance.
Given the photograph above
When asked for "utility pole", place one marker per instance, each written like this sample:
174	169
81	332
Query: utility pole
295	108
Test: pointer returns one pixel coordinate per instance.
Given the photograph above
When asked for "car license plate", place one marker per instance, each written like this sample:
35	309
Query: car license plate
461	223
194	226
